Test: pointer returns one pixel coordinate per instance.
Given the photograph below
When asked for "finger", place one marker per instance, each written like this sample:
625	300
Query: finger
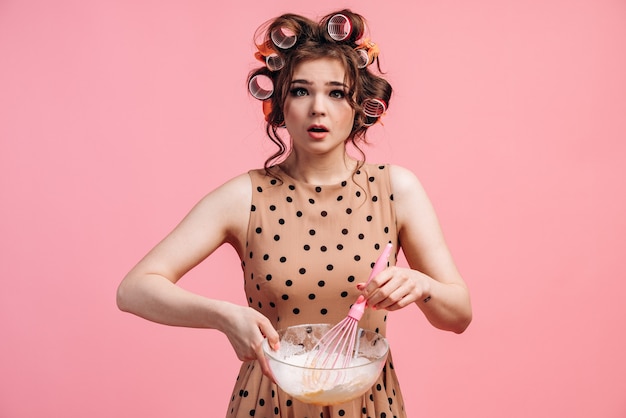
391	294
402	303
271	334
364	295
379	294
265	367
273	340
378	281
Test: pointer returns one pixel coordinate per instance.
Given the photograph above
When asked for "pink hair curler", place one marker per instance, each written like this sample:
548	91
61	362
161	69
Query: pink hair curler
339	27
368	52
283	37
274	62
261	87
374	108
364	58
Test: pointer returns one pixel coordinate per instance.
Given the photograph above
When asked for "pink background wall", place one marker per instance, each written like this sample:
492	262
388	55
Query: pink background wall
117	116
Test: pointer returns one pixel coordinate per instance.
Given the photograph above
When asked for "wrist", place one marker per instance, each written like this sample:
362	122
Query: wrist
426	287
218	315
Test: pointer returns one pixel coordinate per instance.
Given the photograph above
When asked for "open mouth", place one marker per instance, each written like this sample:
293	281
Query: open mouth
317	128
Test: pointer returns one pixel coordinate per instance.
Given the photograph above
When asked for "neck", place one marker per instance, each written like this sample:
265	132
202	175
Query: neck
319	171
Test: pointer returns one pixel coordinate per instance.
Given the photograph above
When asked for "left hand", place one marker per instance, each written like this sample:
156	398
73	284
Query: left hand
395	288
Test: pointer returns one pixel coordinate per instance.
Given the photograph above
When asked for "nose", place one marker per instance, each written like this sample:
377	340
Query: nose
318	106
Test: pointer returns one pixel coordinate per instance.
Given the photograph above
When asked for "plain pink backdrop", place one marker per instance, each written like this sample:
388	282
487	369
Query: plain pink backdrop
117	116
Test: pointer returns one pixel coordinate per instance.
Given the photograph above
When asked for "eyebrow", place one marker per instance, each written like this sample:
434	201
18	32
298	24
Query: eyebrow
329	83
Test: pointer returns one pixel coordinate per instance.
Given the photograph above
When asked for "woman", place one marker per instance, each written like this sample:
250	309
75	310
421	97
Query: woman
309	225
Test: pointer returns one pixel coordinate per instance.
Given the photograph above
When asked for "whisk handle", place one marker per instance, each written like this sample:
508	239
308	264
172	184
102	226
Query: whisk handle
381	262
358	308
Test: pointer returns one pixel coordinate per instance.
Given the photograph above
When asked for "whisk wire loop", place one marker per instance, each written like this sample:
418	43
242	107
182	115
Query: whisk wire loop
336	348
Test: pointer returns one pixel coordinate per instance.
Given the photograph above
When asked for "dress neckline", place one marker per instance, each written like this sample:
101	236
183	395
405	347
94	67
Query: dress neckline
340	184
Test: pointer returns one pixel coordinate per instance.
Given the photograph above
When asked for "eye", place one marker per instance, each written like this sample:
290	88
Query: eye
298	92
338	94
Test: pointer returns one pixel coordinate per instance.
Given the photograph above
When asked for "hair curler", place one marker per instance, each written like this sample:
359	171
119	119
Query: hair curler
261	87
374	108
339	27
274	62
367	52
283	37
364	58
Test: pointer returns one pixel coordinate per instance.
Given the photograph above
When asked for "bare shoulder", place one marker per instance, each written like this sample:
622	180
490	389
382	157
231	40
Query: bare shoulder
422	238
404	183
238	187
410	198
222	214
230	202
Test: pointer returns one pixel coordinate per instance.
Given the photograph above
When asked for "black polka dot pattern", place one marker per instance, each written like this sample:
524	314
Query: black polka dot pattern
307	248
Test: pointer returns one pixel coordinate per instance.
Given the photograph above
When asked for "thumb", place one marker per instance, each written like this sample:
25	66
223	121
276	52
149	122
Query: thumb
272	336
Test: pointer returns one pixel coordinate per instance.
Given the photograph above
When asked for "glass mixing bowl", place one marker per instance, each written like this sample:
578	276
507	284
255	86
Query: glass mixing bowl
290	365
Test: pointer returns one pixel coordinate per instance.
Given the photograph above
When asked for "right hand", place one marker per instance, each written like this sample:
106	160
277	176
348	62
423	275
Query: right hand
246	328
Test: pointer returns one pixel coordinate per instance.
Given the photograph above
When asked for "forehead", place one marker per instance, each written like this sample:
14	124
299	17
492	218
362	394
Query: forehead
320	70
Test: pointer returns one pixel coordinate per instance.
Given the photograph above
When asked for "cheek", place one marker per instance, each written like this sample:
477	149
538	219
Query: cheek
291	108
347	117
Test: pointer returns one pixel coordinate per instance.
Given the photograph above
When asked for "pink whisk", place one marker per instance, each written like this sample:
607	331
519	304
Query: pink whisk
334	349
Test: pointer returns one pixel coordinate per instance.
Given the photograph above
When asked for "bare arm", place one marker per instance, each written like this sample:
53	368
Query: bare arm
149	290
433	281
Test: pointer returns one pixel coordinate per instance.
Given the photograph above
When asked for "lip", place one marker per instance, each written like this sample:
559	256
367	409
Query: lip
317	132
317	128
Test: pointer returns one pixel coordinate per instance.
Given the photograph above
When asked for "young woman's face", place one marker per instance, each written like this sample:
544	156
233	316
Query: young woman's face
317	113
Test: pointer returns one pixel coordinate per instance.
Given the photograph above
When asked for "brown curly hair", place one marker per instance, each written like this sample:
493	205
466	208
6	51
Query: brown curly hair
313	41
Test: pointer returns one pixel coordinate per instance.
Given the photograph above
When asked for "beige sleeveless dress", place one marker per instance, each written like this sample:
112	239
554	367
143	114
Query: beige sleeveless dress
307	248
